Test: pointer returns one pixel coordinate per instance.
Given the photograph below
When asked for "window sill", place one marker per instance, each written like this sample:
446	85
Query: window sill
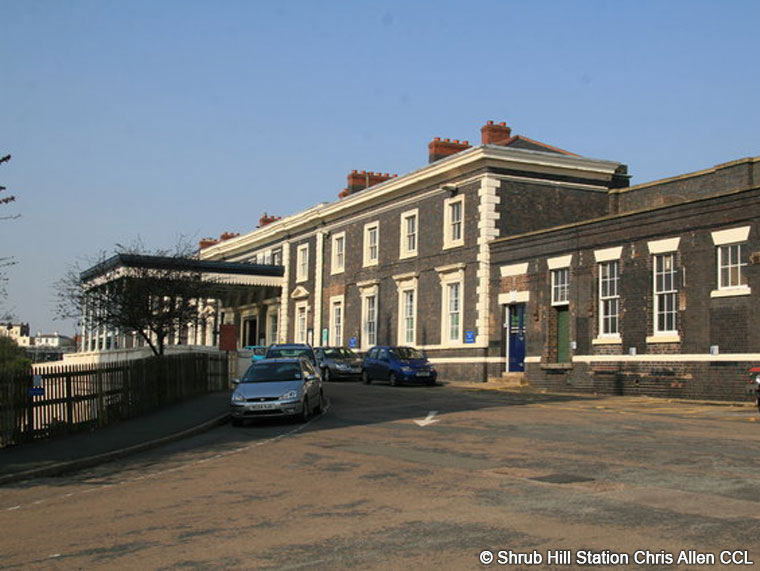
664	338
370	264
407	255
556	366
450	245
612	340
731	292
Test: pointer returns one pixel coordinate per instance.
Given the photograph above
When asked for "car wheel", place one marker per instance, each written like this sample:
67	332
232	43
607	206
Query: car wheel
320	403
393	379
365	378
306	414
326	374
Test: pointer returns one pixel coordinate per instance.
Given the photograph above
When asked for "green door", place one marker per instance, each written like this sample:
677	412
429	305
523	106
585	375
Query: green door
563	335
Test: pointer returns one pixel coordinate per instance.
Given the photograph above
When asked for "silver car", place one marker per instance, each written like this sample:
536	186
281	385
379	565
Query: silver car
288	387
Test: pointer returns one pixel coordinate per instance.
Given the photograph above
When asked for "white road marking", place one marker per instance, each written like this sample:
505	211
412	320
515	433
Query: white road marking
430	419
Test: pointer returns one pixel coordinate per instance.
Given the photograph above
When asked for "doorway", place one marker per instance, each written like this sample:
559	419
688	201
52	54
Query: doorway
250	331
515	336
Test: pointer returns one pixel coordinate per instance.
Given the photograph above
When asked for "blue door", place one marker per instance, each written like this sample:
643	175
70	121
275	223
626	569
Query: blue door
516	337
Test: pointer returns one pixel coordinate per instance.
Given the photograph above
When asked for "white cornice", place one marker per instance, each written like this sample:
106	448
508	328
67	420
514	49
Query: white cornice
444	169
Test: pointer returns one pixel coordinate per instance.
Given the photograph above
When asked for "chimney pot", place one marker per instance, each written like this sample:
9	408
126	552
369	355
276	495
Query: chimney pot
495	134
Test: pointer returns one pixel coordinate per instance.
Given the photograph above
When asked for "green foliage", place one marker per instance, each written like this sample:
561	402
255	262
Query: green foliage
12	357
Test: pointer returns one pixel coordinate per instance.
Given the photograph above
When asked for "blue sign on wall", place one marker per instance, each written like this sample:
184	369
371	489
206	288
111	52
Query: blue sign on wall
352	342
36	391
469	337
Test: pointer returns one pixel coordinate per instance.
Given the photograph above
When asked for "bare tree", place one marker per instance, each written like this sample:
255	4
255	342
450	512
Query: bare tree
154	295
5	261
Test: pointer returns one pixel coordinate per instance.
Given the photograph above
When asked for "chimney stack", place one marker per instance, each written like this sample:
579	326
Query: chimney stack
495	134
266	219
359	180
228	235
439	149
207	242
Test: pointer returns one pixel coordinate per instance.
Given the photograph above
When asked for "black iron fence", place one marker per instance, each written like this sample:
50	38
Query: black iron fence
59	399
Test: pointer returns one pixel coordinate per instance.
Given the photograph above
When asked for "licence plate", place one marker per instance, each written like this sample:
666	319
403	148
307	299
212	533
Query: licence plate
423	374
262	406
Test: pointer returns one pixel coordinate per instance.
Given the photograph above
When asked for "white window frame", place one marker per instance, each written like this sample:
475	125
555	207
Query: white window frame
406	331
409	241
338	257
725	242
449	276
560	286
301	321
732	259
273	324
302	263
369	290
450	237
606	299
369	320
337	319
664	288
371	251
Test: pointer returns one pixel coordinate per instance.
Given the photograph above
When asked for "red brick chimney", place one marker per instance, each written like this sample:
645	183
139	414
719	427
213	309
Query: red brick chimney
228	235
438	149
266	219
495	134
207	242
359	180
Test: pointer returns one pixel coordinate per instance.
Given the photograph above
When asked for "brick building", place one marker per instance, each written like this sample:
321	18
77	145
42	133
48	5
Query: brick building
407	259
658	297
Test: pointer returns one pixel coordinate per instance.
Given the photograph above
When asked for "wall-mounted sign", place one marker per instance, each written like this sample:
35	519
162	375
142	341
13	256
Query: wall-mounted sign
469	337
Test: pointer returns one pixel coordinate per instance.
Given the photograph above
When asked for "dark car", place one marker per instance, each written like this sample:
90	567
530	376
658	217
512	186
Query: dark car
279	350
338	363
277	387
397	365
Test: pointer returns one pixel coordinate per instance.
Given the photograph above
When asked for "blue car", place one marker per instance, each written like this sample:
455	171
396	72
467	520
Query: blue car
397	365
259	351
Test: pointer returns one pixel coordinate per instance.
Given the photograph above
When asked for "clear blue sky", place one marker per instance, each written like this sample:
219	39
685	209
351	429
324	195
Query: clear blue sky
155	119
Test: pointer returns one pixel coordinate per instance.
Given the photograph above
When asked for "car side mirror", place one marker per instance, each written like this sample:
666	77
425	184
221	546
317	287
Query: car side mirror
235	382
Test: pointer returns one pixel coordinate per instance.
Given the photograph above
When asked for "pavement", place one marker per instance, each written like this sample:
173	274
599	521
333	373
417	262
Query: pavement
59	455
62	454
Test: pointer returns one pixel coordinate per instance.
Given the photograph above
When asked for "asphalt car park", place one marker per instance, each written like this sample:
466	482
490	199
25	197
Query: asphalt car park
413	476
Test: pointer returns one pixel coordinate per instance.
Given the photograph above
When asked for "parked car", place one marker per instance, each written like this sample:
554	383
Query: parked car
278	350
338	363
259	351
277	387
397	365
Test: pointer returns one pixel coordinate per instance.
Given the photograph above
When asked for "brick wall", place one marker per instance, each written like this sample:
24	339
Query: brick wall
704	320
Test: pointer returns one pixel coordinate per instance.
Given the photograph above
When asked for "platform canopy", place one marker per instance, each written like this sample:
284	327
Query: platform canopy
231	283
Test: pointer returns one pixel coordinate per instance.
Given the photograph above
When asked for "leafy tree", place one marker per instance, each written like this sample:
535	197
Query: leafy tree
154	295
12	357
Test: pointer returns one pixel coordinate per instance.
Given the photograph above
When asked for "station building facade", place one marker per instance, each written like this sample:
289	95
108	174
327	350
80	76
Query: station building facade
408	259
658	297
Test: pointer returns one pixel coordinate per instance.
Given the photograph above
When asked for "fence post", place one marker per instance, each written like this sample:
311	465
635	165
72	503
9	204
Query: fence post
102	420
69	403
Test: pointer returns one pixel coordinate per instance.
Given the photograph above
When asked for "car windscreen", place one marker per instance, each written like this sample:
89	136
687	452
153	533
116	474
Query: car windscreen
260	351
266	371
347	353
333	353
406	353
277	352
